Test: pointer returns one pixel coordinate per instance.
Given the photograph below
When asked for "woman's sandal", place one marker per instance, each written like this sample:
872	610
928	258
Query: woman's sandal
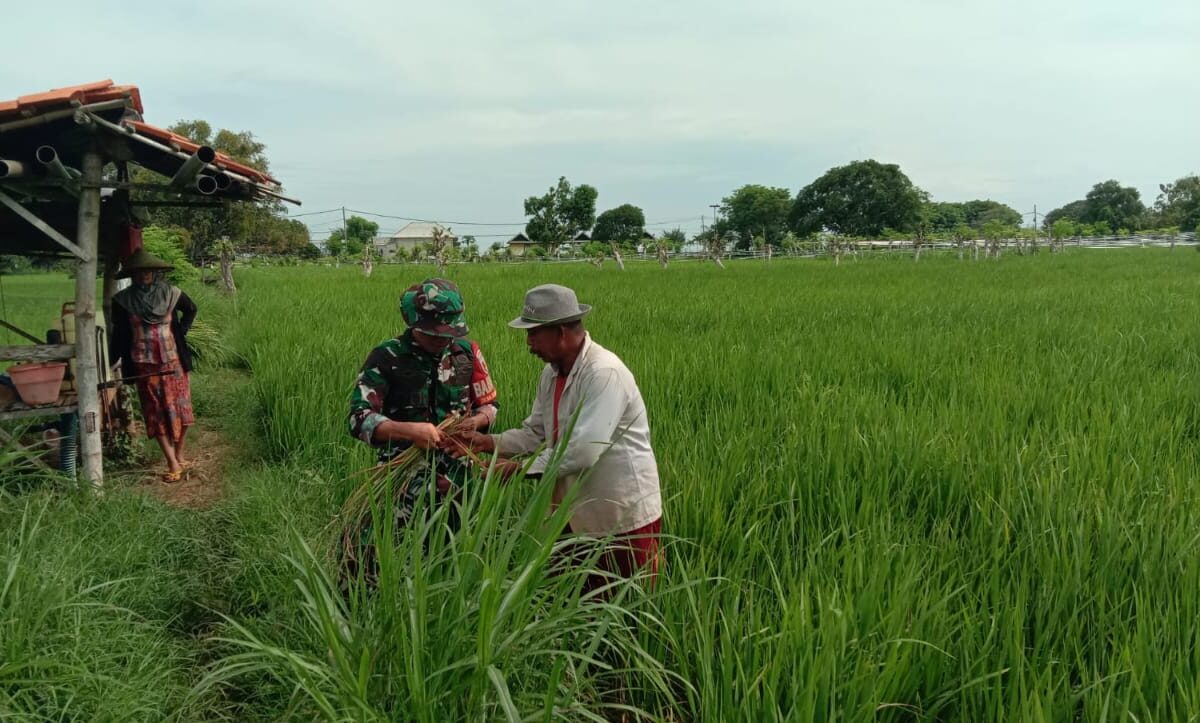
175	476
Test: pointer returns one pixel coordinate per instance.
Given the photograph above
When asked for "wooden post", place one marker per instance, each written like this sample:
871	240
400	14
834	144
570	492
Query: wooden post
110	290
87	376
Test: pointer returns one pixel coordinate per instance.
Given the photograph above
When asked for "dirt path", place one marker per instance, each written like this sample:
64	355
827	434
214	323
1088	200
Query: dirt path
209	455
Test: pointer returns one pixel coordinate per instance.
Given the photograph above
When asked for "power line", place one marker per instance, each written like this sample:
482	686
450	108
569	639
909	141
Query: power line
426	220
313	213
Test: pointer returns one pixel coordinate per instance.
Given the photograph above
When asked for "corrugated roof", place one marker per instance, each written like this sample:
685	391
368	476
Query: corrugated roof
63	98
418	229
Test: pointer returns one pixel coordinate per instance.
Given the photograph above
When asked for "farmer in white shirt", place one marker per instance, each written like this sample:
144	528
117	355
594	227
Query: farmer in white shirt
619	496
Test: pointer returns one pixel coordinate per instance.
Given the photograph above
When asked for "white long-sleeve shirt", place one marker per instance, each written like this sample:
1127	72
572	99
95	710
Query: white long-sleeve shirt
611	437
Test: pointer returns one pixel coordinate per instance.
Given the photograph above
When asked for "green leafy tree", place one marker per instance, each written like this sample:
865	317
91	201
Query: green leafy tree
1116	205
561	213
1073	211
167	244
358	233
250	226
1063	229
675	239
624	224
981	212
860	199
946	216
755	210
1178	204
962	233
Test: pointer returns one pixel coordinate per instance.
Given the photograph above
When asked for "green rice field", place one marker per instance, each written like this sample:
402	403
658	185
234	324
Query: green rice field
894	491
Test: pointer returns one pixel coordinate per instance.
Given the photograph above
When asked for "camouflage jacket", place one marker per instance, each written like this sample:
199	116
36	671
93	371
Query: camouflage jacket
402	382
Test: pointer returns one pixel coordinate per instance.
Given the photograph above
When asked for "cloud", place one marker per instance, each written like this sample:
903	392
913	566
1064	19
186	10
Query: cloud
1023	100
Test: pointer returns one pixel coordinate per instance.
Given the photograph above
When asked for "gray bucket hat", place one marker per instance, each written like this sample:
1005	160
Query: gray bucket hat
549	304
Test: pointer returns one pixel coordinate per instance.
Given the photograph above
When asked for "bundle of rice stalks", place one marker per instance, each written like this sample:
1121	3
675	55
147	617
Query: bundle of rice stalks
385	488
208	345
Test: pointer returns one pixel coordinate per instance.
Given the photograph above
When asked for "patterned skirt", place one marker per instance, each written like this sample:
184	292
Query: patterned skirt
166	400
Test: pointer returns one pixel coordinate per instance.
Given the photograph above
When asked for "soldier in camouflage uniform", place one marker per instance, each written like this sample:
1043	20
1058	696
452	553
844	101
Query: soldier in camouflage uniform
411	383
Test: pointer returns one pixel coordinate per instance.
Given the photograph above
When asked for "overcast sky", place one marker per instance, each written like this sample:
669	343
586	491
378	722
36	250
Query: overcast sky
458	110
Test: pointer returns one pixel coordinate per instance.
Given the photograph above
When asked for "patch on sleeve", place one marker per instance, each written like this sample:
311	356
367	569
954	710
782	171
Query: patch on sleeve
483	391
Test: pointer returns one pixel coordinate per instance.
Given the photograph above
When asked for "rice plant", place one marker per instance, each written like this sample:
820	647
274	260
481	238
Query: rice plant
894	491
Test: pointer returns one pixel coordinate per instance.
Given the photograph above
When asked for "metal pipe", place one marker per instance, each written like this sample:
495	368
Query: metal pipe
129	131
59	114
191	168
223	180
48	157
11	169
206	185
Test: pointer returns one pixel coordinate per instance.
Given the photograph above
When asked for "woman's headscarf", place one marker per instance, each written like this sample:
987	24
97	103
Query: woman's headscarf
151	302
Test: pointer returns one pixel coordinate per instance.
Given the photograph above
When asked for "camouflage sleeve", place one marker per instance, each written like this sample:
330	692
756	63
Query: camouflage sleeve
366	399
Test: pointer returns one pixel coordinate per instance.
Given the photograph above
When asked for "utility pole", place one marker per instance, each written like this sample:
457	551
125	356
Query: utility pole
345	234
714	207
1035	228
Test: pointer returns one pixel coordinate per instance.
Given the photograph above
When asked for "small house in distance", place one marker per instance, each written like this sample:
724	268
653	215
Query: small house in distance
406	239
520	244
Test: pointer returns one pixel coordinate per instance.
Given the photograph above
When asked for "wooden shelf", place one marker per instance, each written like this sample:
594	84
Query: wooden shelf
38	352
24	411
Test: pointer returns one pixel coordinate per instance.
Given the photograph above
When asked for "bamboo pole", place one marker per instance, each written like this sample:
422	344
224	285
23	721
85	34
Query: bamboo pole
87	375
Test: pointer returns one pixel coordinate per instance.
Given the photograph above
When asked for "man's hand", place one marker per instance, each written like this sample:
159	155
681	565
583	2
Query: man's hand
423	435
506	469
474	441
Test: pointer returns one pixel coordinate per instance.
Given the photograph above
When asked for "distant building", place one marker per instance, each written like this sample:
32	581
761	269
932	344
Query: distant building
520	244
415	234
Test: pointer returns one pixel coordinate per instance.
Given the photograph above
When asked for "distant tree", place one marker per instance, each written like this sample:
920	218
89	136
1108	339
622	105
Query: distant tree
1073	211
715	245
1178	203
676	239
623	223
861	198
561	213
14	264
1063	229
245	224
309	253
946	216
981	212
441	247
1116	205
995	232
166	242
961	234
755	210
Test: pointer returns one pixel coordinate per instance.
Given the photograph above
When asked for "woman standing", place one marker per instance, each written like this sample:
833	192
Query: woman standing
151	319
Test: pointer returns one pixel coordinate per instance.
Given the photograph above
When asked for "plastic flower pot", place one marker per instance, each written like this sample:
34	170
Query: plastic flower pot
38	383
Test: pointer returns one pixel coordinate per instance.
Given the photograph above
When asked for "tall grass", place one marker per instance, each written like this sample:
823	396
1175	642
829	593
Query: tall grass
946	491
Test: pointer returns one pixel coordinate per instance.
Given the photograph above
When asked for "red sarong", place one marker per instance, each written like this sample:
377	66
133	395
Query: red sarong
627	554
166	399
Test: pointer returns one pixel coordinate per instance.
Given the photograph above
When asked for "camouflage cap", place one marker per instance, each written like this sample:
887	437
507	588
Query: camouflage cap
435	306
